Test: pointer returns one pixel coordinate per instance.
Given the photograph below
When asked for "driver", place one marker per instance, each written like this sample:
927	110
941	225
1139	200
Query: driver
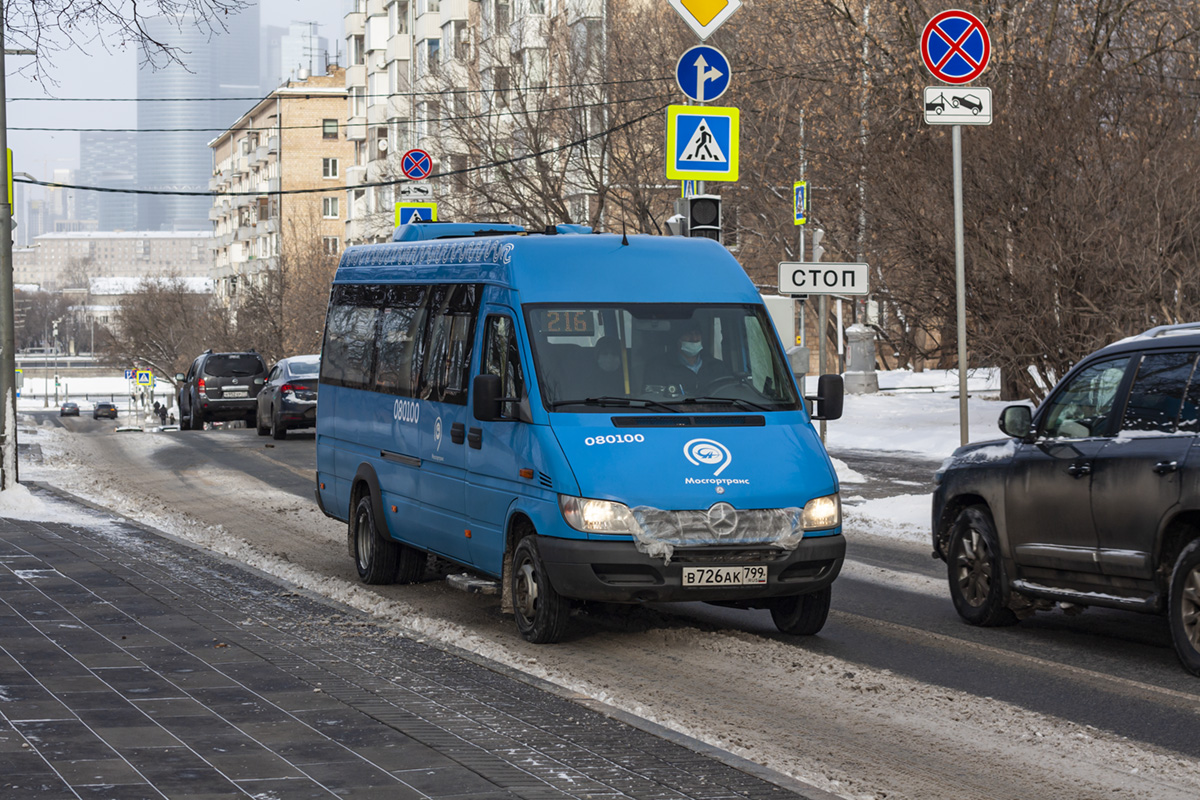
689	369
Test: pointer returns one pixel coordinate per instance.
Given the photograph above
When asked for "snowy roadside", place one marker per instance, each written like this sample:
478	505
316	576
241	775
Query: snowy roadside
1096	762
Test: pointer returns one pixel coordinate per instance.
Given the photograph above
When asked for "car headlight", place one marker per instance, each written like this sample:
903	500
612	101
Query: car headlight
597	516
822	512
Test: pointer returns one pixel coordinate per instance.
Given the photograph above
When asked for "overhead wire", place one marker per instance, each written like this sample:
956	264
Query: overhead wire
373	184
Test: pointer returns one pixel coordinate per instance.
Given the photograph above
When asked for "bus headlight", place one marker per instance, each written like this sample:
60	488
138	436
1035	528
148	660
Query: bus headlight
597	516
822	512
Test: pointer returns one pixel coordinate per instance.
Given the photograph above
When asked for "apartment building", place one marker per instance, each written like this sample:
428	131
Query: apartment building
458	79
281	171
57	261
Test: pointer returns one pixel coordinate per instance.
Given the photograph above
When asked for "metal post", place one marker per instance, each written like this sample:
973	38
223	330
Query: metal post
822	329
8	335
960	286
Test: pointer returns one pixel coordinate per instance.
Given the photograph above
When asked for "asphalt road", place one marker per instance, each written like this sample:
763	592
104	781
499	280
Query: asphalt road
1111	670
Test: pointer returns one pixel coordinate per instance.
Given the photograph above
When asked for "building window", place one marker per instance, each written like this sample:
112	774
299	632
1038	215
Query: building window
454	33
358	101
537	6
329	128
428	119
329	168
332	245
358	50
329	207
502	86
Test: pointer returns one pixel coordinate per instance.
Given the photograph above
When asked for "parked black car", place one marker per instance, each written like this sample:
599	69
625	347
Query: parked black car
220	387
104	410
69	409
1093	501
288	401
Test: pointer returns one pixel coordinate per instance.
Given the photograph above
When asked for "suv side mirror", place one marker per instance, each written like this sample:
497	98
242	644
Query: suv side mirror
180	377
830	397
1017	422
259	381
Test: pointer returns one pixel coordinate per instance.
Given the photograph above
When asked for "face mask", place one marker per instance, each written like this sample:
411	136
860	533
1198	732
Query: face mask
610	363
690	349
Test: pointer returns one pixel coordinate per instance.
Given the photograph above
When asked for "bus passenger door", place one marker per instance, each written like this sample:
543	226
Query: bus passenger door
497	451
444	417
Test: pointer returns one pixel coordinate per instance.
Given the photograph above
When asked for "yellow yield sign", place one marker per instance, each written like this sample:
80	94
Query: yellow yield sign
705	16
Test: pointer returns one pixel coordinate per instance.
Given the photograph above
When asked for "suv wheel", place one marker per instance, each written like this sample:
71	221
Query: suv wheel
802	614
977	582
1184	607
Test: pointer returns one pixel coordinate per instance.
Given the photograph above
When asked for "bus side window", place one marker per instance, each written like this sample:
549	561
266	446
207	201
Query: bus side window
447	347
400	327
502	357
349	353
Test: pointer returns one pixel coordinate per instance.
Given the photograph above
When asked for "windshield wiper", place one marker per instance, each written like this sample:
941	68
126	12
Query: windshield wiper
607	400
745	405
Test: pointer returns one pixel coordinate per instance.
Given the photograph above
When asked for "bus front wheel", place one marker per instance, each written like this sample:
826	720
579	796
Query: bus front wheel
542	614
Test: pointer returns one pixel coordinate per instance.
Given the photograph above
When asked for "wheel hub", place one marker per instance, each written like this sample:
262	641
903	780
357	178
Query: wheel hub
974	570
526	594
364	541
1189	607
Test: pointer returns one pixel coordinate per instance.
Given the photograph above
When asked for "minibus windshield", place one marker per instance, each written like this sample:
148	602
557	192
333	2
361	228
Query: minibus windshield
658	357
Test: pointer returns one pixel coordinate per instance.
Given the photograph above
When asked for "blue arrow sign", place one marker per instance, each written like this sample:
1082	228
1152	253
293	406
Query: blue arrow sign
703	73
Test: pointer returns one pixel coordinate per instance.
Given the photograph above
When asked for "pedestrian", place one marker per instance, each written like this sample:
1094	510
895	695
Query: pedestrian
162	413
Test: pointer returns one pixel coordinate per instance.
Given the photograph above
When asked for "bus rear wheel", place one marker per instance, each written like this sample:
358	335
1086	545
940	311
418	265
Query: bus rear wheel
542	614
375	557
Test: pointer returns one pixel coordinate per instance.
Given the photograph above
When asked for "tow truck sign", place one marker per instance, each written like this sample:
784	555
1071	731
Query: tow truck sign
799	277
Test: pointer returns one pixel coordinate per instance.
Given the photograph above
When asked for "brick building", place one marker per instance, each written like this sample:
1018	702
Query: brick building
291	140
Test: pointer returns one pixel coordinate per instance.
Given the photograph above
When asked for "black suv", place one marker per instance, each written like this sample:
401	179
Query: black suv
220	387
1094	501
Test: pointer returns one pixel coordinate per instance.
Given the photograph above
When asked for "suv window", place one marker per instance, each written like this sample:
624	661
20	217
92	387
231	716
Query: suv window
1157	393
1084	406
236	365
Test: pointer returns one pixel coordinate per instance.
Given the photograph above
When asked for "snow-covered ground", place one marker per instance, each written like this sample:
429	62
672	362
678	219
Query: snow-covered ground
915	414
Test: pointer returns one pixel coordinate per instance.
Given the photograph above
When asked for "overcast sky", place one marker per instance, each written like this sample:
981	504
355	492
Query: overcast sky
100	74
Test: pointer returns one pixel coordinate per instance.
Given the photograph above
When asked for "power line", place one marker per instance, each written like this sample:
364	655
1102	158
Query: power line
514	160
273	128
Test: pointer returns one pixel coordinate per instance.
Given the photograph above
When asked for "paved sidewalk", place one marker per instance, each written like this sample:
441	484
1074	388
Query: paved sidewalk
132	666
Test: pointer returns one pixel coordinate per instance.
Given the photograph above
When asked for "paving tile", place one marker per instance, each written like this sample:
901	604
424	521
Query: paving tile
262	765
135	736
140	683
129	791
447	782
286	789
36	709
108	770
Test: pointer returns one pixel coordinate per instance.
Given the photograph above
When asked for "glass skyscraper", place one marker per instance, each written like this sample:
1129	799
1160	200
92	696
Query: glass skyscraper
217	64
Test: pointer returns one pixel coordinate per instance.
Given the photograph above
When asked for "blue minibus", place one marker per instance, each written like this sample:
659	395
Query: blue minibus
582	417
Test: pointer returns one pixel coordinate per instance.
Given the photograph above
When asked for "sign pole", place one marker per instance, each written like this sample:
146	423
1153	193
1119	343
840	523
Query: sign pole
960	285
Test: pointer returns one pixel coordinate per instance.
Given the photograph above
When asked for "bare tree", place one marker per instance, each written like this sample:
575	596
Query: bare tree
52	26
163	325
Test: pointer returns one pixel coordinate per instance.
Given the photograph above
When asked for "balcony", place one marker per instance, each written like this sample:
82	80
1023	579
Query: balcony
272	185
245	233
215	213
356	128
268	226
355	176
273	145
260	155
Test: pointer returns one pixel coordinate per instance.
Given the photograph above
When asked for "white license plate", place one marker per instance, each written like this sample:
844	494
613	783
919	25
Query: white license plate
235	393
724	576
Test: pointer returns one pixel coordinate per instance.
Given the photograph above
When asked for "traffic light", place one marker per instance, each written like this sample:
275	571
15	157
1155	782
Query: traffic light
704	216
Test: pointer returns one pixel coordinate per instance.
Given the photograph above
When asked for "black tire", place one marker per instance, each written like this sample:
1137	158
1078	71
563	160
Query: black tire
185	423
263	430
197	419
802	614
542	614
375	557
1183	608
978	585
410	565
278	429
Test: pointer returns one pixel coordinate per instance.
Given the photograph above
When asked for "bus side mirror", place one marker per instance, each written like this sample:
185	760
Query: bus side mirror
829	397
487	397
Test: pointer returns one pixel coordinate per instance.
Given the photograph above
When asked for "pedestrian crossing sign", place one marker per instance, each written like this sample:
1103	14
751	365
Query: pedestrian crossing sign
415	212
702	143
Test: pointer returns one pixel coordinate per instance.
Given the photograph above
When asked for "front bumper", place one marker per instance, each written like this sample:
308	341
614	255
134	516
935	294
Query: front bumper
616	572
